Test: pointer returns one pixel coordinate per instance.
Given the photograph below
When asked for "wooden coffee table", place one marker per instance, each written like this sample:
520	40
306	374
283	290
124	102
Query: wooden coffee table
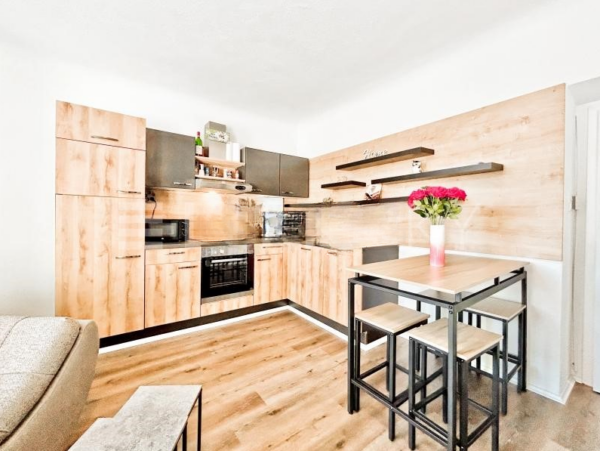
154	419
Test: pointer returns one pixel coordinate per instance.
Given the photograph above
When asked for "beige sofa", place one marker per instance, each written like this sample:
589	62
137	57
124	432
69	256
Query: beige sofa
46	369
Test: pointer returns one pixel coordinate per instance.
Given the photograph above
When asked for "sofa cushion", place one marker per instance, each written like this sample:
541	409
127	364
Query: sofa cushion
32	351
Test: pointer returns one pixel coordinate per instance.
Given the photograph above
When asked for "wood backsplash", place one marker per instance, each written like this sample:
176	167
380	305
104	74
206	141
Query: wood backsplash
212	216
516	212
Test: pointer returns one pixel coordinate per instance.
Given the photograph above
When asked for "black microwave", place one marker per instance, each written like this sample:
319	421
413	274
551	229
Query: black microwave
167	230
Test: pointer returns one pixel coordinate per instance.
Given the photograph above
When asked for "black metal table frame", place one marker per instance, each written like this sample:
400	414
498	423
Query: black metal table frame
184	434
454	309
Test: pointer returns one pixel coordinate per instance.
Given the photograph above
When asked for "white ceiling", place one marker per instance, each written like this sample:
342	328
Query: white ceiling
281	58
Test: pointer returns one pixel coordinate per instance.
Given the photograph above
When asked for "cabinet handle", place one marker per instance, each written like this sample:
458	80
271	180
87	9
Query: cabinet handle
263	259
182	184
272	247
305	249
128	256
332	253
257	190
187	267
176	253
288	192
128	192
105	138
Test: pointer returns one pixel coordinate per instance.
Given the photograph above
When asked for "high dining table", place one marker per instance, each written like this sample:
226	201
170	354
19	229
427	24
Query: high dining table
461	274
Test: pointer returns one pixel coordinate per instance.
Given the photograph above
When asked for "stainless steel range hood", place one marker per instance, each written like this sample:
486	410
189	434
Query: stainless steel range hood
223	186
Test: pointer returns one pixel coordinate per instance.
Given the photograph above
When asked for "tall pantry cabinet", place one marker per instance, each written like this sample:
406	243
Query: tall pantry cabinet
100	167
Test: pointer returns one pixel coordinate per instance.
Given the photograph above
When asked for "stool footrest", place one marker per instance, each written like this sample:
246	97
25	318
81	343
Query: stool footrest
478	432
430	398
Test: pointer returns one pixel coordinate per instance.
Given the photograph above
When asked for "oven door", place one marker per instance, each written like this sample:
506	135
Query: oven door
226	275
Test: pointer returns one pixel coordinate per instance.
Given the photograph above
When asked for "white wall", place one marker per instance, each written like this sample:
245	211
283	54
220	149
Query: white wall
544	47
29	87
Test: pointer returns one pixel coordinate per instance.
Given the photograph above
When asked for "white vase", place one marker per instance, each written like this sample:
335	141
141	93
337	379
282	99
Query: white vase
437	250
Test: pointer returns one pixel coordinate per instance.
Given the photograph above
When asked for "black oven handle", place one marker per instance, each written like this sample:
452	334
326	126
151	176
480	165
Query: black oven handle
227	260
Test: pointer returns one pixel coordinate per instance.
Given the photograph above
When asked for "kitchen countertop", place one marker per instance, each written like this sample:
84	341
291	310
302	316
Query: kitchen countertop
308	241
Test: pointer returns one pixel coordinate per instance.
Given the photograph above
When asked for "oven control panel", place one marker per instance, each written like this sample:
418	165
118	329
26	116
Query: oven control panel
225	250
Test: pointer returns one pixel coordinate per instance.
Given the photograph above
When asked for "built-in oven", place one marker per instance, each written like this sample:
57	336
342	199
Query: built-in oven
226	269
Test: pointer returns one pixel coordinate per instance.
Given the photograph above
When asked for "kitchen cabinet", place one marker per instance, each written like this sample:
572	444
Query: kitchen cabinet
170	160
90	169
172	292
225	305
275	174
261	170
293	176
334	284
82	123
268	278
100	261
317	279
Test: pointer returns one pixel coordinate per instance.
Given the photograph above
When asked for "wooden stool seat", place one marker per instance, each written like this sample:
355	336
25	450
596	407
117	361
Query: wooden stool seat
391	318
497	308
471	341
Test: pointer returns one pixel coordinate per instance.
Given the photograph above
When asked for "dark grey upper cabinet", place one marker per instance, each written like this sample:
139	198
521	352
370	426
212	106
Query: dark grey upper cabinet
261	170
170	160
293	176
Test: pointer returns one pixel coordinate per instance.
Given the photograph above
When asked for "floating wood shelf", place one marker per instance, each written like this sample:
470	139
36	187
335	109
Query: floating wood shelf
219	163
349	203
344	185
479	168
409	154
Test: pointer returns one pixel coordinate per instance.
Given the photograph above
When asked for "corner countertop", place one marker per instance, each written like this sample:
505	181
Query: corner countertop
308	241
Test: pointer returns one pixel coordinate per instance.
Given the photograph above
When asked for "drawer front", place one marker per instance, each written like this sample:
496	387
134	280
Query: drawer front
88	169
269	249
82	123
226	305
175	255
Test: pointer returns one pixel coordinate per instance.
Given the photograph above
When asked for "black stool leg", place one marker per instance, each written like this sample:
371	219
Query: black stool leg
522	351
445	395
424	375
357	329
392	384
478	365
495	400
505	368
411	392
464	405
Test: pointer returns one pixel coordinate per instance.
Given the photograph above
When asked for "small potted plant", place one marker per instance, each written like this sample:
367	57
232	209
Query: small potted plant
437	203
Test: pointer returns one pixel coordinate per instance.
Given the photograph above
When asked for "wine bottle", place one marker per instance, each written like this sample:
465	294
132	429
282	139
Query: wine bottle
199	149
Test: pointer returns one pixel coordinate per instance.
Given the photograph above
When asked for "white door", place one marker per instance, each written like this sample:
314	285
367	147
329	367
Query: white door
594	236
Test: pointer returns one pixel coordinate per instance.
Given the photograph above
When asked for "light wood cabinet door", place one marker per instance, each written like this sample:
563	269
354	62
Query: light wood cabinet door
88	169
268	278
292	283
225	305
82	123
172	292
100	261
334	284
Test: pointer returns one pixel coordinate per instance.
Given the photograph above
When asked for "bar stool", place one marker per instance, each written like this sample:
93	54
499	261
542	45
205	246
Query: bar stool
471	344
392	320
505	312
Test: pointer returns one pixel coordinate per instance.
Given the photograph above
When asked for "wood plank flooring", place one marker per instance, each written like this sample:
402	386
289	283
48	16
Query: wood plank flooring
279	382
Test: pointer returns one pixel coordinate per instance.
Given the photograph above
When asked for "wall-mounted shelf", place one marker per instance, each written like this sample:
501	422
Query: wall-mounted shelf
409	154
350	203
344	185
219	163
479	168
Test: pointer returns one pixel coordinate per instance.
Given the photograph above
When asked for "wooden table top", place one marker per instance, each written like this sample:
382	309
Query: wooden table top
460	274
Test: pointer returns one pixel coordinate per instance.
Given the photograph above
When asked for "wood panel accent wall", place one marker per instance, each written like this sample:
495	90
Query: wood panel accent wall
517	212
213	216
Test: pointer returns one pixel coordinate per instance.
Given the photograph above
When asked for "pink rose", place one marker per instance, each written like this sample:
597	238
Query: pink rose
457	193
437	191
418	194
